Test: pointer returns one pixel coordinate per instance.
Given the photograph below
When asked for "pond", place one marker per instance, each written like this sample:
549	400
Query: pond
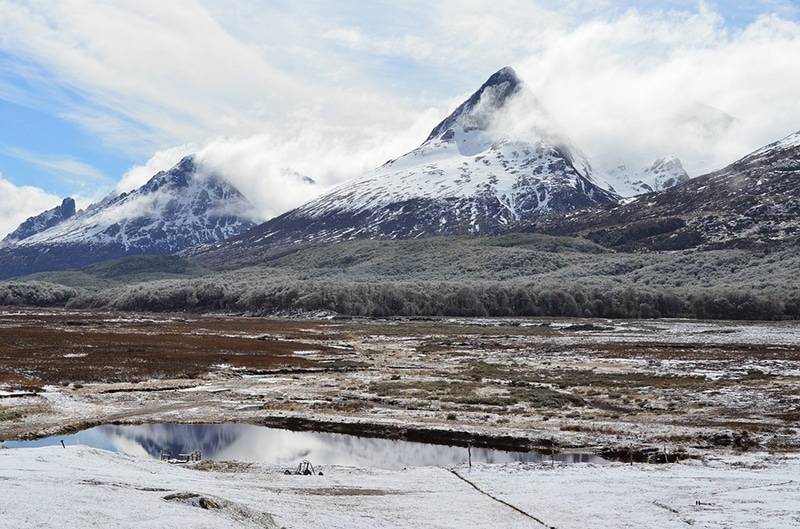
244	442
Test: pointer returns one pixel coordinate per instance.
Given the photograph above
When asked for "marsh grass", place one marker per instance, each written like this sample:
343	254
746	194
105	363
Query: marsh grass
572	378
10	415
476	394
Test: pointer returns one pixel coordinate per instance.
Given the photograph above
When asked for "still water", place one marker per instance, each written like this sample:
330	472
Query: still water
224	442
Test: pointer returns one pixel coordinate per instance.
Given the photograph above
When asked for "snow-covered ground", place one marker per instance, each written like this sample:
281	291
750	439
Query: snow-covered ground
79	487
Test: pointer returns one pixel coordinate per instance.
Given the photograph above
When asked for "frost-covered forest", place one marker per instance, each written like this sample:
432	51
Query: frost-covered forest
513	275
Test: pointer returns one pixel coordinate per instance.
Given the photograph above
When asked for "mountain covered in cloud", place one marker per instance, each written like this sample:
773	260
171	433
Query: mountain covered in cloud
751	203
174	210
494	161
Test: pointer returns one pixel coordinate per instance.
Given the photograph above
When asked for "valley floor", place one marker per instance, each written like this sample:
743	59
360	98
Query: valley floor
685	387
723	397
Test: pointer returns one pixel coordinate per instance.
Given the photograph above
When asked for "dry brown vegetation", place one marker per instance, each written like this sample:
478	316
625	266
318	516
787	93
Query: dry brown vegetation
572	383
54	348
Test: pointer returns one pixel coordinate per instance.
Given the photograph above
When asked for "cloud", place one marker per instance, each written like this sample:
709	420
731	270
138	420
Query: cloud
20	203
262	91
644	85
66	165
273	172
165	68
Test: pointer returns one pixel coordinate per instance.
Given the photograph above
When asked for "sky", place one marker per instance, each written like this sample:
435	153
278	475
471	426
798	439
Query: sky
96	96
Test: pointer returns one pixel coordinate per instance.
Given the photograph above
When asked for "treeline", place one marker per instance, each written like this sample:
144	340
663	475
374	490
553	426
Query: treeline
412	299
37	294
522	275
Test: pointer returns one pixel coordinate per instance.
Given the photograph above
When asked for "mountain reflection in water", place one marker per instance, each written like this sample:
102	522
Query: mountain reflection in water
244	442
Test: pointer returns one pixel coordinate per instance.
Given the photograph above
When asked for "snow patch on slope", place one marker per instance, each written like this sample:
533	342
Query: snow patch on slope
664	173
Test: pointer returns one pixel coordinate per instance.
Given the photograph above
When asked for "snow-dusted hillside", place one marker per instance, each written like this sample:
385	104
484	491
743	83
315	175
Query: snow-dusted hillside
751	203
494	161
176	209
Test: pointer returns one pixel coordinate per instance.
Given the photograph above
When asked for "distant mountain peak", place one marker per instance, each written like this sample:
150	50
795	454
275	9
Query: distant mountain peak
42	221
174	210
494	161
665	172
671	167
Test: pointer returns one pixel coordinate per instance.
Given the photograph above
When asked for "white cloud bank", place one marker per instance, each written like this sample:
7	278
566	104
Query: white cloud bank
640	86
263	91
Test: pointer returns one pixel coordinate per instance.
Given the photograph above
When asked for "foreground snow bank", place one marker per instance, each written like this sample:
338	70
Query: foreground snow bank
77	487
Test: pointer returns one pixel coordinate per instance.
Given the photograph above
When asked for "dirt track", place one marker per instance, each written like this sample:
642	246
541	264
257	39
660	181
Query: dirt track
538	384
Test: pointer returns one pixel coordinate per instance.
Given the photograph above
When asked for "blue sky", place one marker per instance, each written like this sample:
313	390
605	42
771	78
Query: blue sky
99	95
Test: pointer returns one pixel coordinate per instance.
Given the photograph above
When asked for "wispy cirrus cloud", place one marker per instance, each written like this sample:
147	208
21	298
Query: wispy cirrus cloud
66	164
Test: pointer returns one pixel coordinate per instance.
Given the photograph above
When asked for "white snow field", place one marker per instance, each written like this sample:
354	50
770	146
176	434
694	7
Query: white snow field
80	487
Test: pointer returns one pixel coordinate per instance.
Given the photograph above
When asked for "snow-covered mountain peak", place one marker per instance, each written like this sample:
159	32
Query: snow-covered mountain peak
494	161
468	124
499	142
663	173
41	222
183	200
175	209
667	172
503	110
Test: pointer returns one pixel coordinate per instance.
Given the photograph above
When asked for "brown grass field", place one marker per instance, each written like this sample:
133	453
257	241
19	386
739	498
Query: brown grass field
605	386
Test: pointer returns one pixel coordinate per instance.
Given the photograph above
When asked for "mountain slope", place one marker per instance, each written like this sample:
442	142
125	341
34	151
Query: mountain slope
176	209
492	162
752	202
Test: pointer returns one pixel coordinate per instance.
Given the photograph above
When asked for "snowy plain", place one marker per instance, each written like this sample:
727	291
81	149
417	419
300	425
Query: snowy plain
78	487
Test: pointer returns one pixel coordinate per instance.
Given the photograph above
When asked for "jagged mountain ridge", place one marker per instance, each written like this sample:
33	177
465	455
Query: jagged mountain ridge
46	219
174	210
752	202
477	171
